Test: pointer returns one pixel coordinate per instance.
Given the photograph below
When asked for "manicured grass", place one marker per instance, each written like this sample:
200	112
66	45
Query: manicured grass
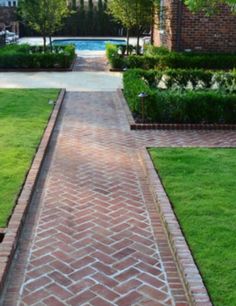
201	184
23	117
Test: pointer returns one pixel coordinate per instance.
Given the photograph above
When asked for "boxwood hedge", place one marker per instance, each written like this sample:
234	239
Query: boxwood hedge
179	105
175	60
25	56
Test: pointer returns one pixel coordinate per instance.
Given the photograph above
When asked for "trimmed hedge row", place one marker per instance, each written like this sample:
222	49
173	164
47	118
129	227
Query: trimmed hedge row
27	57
188	79
171	60
184	61
179	106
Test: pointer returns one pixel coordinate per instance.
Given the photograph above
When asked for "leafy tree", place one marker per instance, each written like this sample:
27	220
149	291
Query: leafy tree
121	12
132	14
44	16
111	27
209	6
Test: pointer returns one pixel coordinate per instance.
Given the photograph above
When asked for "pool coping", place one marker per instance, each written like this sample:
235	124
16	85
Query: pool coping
168	126
193	282
13	231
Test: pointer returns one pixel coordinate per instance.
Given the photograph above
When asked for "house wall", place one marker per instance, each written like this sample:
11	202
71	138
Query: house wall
197	32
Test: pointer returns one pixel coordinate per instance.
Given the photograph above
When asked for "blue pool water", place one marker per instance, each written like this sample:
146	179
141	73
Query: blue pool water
87	44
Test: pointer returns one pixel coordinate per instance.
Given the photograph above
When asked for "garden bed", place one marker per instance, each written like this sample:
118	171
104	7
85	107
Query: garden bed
175	106
200	185
26	58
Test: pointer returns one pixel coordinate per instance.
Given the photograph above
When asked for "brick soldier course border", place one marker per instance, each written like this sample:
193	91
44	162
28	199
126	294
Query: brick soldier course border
169	126
191	276
12	232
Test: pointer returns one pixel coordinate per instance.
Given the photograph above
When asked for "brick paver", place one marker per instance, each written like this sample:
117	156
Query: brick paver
91	64
97	238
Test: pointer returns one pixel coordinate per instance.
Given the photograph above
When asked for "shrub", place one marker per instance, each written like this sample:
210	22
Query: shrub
226	80
115	59
159	58
186	79
151	50
179	105
133	85
122	49
25	56
200	61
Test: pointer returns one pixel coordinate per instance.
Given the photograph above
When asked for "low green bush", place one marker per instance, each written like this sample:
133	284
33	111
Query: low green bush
180	60
160	58
187	79
25	56
151	50
15	48
122	49
178	105
199	61
115	59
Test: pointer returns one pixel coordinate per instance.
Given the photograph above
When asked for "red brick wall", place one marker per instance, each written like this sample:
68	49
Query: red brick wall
197	32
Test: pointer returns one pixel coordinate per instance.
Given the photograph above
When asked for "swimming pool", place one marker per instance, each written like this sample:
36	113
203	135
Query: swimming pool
88	44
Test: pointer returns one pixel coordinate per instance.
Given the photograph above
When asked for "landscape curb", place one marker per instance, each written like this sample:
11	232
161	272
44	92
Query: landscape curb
192	279
169	126
12	232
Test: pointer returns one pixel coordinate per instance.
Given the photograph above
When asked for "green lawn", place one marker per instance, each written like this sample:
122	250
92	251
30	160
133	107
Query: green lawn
201	184
23	117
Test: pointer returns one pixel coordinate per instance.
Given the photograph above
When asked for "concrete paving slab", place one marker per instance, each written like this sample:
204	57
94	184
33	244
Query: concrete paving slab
72	81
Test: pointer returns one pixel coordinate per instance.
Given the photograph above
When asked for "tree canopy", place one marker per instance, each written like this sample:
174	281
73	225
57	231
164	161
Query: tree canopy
132	14
44	16
209	6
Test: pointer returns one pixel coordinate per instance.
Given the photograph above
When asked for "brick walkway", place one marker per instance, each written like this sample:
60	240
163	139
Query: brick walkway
97	239
91	64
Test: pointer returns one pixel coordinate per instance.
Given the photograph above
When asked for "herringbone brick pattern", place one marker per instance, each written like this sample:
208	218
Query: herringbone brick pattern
98	239
91	64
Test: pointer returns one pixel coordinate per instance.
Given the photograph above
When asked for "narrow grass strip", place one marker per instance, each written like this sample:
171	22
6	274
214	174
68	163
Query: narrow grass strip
24	114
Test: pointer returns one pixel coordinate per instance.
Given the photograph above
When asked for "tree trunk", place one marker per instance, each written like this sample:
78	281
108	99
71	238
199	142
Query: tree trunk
44	42
50	41
138	39
127	45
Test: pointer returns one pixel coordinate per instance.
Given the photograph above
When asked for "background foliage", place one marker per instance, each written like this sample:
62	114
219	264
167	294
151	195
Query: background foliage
86	20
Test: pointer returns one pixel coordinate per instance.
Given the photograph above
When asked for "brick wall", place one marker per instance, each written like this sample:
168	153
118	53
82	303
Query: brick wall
197	32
